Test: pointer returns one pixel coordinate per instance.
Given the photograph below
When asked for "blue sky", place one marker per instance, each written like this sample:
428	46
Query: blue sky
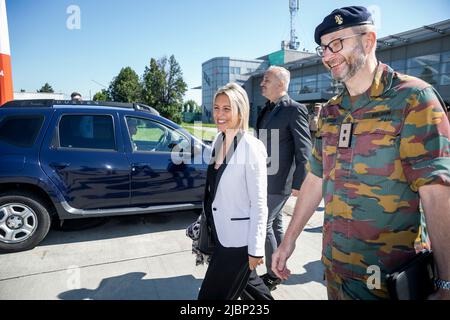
118	33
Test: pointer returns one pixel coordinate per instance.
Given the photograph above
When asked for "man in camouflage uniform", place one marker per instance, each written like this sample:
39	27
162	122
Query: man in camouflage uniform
383	145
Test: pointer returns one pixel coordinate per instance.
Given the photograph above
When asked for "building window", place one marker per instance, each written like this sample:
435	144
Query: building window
398	65
325	83
309	84
206	78
235	70
445	79
418	62
295	86
425	67
428	74
445	69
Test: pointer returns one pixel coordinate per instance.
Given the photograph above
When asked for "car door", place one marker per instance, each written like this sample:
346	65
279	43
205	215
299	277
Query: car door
161	170
86	160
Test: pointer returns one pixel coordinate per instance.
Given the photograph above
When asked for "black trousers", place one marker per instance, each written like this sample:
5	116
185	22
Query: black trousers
227	274
256	289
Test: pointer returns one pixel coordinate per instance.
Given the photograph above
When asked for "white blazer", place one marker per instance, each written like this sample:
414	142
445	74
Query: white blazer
240	203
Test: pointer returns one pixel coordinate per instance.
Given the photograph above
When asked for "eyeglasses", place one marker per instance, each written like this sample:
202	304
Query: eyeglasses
335	45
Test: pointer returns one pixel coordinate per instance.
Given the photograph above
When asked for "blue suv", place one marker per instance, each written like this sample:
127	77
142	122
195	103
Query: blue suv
69	160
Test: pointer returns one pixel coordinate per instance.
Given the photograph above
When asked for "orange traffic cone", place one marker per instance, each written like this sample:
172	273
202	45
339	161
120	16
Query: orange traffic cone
6	84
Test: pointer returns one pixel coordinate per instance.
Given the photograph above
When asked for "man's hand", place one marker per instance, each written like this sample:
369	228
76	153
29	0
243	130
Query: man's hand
279	259
254	262
308	199
295	192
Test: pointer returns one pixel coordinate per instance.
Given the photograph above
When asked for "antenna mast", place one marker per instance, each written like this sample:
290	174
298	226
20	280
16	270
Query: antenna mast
293	43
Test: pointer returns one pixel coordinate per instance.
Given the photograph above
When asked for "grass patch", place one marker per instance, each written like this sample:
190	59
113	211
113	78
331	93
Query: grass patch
148	134
201	134
205	125
153	134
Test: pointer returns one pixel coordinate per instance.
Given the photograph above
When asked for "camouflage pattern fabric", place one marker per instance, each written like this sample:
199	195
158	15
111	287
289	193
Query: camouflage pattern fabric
343	288
400	142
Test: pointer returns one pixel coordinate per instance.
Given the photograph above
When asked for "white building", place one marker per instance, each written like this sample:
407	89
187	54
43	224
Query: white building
38	95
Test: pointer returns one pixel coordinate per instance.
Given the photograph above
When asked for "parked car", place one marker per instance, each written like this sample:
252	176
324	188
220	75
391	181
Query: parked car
70	160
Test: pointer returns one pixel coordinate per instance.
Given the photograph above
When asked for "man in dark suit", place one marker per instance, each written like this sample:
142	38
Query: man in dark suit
283	126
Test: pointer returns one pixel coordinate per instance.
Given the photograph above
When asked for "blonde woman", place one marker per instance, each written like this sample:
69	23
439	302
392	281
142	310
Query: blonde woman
235	198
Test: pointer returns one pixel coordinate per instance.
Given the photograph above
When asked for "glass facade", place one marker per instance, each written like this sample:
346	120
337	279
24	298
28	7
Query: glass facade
432	68
427	58
445	69
424	67
219	71
321	82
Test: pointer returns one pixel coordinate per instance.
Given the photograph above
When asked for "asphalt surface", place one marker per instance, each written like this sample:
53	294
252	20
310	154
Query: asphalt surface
146	257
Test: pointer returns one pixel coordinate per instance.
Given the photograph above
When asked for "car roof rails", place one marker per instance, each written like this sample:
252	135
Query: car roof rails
143	107
47	103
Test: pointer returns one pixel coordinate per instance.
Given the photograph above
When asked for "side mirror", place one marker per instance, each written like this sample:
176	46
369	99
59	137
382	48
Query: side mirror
196	149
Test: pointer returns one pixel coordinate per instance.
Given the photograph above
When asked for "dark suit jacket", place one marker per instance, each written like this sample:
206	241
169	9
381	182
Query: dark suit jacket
291	119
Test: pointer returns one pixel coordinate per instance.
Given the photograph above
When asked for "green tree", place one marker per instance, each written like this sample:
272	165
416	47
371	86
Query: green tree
191	106
126	86
102	96
46	88
164	87
153	82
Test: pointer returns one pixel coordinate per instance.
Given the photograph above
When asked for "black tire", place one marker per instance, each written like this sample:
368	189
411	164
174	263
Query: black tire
40	218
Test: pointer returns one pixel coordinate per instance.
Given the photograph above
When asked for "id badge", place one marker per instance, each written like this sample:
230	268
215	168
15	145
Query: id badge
345	136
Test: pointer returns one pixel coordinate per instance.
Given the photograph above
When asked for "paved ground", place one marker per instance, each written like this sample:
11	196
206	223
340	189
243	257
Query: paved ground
139	257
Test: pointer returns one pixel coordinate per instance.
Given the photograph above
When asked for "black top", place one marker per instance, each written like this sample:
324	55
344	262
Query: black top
265	113
213	175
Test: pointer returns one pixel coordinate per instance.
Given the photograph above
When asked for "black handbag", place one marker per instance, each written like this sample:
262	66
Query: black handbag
414	280
206	243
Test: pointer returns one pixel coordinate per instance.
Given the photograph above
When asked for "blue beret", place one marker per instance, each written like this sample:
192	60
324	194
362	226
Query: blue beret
343	18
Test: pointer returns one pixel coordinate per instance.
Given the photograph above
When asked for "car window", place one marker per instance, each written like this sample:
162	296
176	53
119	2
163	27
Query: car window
20	131
147	135
87	132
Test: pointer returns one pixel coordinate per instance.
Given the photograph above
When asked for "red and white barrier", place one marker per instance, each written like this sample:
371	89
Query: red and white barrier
6	84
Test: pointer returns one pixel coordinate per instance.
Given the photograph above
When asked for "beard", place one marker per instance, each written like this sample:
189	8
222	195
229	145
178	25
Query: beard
354	63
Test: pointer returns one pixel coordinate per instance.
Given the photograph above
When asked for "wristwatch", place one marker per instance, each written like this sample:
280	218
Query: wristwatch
442	284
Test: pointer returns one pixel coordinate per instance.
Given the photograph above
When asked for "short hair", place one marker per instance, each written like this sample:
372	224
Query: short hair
74	94
366	28
238	100
282	74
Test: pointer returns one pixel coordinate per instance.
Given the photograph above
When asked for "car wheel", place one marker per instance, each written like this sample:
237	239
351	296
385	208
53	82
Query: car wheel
24	221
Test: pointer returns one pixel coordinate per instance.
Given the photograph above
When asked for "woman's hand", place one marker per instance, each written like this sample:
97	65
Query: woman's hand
254	262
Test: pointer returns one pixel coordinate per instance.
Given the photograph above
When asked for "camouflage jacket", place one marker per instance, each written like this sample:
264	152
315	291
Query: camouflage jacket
400	141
